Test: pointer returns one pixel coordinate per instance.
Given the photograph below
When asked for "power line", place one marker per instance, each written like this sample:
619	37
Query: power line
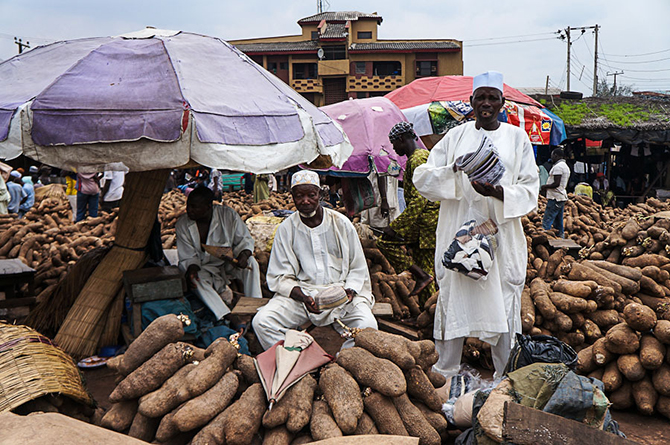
511	37
506	43
642	61
640	55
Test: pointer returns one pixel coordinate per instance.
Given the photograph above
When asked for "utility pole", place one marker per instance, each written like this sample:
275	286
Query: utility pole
567	33
595	63
21	44
616	73
567	36
546	87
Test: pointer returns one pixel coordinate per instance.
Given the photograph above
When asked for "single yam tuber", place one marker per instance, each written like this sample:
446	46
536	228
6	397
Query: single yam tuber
295	408
652	352
420	388
639	317
621	339
396	348
322	425
415	422
645	396
380	374
343	396
120	416
631	367
384	413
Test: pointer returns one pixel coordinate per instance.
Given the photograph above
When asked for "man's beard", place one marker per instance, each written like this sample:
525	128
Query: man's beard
307	215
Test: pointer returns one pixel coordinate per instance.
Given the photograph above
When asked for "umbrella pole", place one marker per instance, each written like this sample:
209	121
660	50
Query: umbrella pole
79	334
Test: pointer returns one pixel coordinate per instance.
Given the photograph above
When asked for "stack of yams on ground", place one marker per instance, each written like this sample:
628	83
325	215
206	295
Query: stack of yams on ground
172	392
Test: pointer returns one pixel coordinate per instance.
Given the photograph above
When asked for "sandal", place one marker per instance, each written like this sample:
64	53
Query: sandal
421	286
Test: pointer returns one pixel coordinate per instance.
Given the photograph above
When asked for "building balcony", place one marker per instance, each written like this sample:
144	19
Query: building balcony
307	86
334	67
374	83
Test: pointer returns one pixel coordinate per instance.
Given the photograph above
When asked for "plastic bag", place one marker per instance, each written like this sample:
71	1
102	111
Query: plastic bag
357	195
540	349
473	249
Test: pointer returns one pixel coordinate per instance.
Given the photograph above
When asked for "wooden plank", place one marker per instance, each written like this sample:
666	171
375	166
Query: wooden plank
564	244
397	328
528	426
249	306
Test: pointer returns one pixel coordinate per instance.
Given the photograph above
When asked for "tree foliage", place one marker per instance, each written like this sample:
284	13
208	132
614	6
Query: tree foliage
605	90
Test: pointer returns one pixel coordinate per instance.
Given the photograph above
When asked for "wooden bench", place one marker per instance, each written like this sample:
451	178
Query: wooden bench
249	306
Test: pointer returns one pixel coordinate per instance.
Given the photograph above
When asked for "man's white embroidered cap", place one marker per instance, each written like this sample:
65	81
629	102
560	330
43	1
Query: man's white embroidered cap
305	177
490	79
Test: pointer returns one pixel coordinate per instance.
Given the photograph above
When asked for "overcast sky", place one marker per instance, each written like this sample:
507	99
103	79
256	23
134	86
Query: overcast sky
634	38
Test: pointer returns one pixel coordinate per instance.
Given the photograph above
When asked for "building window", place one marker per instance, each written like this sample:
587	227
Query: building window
283	65
386	69
335	52
364	35
304	70
272	67
315	35
426	68
360	68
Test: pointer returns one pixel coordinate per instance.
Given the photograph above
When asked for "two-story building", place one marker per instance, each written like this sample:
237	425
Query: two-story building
338	55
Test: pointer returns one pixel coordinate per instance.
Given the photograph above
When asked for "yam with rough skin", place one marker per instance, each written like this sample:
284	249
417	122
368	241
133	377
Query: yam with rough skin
323	425
622	398
631	273
365	426
631	367
295	408
384	413
581	289
160	402
161	332
622	339
437	379
651	287
420	388
527	310
661	379
586	360
302	439
436	419
639	317
167	428
245	364
554	261
645	396
415	422
143	427
568	304
602	355
120	416
581	272
540	295
380	374
663	406
277	436
153	373
343	395
239	423
627	286
396	348
200	410
591	331
655	273
428	355
562	322
652	352
649	259
662	331
612	377
604	318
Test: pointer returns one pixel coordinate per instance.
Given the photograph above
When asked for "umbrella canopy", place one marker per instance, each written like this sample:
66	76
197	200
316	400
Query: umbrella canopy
436	104
287	361
157	99
367	123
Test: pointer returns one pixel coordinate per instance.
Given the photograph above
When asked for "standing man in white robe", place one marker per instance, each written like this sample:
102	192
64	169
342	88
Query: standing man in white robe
314	249
488	309
207	275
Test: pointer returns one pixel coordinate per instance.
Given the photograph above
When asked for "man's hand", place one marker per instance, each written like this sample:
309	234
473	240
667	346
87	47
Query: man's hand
298	295
192	275
389	233
384	208
242	260
350	294
486	189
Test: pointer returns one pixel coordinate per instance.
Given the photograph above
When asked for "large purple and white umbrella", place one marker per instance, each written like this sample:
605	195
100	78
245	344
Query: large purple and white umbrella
157	99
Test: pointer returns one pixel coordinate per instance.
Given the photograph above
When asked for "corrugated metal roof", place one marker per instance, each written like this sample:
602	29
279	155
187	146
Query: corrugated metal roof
402	46
308	45
334	31
551	91
339	16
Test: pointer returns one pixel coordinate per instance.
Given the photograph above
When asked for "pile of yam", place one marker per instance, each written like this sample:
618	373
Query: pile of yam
171	392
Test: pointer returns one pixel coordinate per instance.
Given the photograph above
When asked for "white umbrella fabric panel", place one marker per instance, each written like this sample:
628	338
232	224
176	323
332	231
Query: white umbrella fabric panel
159	102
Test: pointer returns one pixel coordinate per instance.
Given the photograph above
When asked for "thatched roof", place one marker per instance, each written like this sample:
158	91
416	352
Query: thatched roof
628	119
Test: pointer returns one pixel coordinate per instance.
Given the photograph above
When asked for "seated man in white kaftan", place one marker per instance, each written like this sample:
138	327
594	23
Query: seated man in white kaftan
316	250
207	275
487	308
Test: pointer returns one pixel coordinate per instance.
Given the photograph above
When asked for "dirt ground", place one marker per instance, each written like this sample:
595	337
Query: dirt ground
654	430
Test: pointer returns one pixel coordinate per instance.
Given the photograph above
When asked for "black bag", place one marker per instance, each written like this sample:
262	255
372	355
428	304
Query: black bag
540	349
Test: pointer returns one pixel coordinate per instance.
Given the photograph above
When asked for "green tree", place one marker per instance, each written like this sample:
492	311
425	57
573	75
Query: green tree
605	90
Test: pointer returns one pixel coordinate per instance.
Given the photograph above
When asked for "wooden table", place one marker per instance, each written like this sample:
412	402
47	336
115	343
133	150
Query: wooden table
13	274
